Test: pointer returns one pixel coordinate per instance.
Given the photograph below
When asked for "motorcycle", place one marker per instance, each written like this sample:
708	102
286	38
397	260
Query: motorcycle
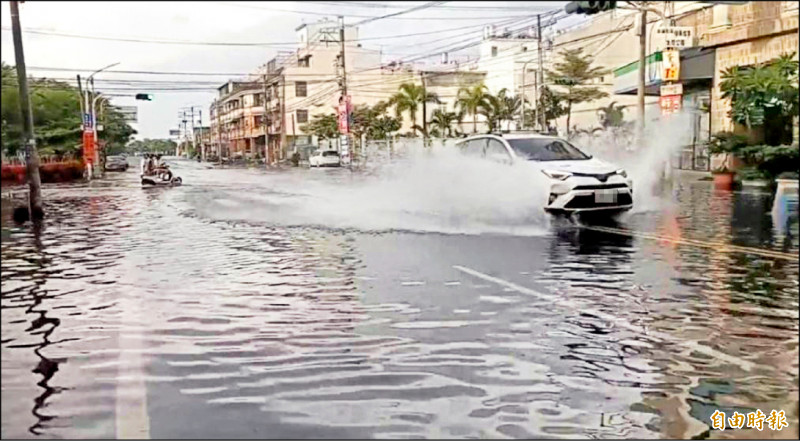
161	176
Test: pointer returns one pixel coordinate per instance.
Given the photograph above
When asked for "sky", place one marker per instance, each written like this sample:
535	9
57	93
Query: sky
215	21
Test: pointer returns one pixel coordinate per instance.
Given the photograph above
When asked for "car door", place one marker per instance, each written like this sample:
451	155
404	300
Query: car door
496	151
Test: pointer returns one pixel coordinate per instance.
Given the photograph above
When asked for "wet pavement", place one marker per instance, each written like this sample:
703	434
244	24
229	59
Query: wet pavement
227	308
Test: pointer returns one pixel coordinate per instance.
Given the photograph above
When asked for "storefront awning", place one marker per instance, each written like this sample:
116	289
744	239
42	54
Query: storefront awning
626	78
697	66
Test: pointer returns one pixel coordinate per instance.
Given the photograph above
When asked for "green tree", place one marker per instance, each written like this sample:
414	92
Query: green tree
410	97
470	101
573	73
442	123
56	117
322	126
116	131
551	103
764	96
151	146
499	108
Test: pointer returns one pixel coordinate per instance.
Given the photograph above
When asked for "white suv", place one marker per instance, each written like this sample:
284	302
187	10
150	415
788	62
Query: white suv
576	182
325	158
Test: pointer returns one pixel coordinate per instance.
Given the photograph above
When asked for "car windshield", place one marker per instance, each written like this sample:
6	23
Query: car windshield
546	149
331	153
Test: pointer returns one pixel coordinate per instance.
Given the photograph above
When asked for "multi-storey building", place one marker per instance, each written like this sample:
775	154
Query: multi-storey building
202	140
305	83
237	120
504	54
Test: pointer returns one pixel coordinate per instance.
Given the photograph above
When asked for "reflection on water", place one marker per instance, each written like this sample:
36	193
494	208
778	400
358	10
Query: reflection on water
132	312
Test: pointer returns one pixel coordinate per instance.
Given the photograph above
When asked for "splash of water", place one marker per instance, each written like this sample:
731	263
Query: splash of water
427	190
647	163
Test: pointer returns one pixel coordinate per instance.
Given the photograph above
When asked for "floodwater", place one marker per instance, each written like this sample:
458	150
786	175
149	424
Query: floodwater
317	303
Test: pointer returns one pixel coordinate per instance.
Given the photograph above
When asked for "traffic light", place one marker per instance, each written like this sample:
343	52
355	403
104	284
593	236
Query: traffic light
144	97
589	8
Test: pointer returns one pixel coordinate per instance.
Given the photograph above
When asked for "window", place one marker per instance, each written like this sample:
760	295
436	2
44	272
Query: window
302	116
722	16
494	51
496	151
300	88
304	62
474	147
546	149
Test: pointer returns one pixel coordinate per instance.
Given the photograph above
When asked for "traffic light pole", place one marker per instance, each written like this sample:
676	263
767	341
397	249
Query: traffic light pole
586	7
642	75
35	210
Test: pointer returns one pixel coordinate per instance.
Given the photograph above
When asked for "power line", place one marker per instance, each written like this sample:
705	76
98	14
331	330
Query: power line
456	7
395	14
216	43
329	14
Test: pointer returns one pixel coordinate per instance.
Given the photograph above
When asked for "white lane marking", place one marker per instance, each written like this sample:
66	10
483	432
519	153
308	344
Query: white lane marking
132	420
622	323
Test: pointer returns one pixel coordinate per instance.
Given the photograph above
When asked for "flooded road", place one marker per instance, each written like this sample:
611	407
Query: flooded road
252	304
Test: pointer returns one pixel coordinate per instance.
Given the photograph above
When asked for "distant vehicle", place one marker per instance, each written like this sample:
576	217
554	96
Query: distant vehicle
575	181
116	163
325	158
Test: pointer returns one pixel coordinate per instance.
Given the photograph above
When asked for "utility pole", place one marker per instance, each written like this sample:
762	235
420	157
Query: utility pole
283	115
200	122
191	134
346	136
219	132
424	110
264	123
35	210
541	117
642	72
344	65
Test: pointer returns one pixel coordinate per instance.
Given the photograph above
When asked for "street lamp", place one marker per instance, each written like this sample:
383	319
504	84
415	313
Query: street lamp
91	108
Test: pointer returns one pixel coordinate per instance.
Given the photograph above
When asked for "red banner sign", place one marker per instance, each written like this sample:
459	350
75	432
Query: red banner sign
670	104
345	108
88	146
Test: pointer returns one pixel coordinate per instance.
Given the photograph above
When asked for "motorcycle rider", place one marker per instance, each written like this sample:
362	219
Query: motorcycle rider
163	169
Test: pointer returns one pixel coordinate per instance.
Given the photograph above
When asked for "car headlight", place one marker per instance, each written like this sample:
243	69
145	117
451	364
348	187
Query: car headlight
554	174
622	173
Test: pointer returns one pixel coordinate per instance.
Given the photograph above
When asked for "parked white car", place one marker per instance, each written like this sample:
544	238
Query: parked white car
575	181
325	158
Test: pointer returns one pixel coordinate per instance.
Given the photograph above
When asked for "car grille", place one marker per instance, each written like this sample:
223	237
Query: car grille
602	177
587	201
600	187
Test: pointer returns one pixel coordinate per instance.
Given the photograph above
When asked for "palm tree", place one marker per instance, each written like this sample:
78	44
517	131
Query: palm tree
492	109
408	98
470	100
500	108
442	123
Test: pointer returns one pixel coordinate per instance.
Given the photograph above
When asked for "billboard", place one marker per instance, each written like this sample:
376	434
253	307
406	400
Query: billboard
129	113
670	65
